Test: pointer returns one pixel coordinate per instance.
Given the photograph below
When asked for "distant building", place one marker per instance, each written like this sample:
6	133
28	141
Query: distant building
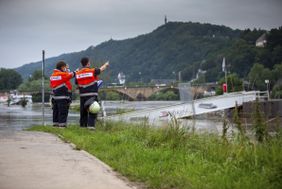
121	78
165	19
162	82
200	72
261	41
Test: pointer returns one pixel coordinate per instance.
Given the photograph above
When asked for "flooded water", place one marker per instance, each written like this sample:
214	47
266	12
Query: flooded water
202	123
18	118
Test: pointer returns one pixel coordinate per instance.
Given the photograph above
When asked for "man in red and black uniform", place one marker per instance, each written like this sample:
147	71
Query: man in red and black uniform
86	79
61	93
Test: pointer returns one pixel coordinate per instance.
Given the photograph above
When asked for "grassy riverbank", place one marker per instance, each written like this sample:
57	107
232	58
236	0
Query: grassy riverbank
175	158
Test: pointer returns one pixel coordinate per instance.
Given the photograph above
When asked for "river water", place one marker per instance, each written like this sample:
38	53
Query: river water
18	118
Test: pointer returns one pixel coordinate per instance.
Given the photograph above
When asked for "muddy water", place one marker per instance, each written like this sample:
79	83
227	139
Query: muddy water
18	118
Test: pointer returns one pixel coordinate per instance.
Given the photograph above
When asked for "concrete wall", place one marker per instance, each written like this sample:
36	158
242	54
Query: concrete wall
270	109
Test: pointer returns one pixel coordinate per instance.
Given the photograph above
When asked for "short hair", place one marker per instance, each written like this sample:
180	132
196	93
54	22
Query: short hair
84	61
60	65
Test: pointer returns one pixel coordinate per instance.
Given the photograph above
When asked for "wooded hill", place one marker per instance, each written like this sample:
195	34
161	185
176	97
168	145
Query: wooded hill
174	47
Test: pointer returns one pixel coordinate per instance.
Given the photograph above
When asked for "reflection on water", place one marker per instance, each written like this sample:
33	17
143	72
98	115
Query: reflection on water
18	118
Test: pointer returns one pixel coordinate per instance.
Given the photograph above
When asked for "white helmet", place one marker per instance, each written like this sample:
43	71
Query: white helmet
94	108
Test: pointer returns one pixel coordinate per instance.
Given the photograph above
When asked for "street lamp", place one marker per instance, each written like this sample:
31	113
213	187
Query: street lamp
174	76
179	76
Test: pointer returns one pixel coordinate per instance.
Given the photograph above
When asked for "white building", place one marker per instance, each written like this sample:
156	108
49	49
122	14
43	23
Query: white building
261	41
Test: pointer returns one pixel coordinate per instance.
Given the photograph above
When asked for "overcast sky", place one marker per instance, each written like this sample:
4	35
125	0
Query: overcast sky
63	26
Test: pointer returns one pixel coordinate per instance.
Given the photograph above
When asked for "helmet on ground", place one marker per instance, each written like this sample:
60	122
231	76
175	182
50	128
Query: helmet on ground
94	108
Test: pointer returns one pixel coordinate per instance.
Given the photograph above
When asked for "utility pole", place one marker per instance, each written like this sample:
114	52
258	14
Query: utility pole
224	69
42	85
179	77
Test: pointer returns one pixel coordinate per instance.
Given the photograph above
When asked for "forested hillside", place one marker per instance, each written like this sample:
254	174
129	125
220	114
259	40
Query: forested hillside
175	47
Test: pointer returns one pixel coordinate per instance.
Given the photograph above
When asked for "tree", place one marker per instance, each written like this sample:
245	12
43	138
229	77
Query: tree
234	83
259	123
258	75
277	90
168	95
37	75
34	85
9	79
277	72
274	38
111	95
277	55
241	57
251	36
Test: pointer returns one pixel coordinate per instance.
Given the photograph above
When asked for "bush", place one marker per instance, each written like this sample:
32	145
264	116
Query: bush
277	90
112	96
9	79
259	123
169	95
234	83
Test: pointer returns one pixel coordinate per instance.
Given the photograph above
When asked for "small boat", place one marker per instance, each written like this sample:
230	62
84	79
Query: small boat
16	98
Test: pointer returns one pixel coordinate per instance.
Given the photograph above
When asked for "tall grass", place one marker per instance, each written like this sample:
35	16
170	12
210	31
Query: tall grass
260	127
237	121
225	128
173	157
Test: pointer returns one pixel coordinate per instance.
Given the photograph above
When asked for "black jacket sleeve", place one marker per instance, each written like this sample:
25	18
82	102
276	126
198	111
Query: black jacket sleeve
97	71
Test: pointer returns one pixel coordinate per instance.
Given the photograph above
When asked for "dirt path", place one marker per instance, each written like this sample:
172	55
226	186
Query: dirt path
32	160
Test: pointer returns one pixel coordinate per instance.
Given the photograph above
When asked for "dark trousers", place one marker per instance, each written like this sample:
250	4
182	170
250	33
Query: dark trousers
87	119
60	112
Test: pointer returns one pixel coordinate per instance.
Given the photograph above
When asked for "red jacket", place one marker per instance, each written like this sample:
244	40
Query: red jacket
60	82
86	77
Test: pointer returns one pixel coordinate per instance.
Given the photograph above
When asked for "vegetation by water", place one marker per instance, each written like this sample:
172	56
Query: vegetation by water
123	110
168	95
9	79
175	157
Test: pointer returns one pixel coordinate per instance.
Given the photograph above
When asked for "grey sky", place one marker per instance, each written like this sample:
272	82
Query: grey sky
62	26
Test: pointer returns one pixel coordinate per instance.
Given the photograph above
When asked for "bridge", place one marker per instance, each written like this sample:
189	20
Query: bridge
142	93
136	93
188	109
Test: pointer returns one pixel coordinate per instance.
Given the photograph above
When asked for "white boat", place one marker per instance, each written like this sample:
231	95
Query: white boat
16	99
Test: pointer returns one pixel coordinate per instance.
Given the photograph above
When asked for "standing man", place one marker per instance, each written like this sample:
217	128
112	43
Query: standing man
86	79
61	93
